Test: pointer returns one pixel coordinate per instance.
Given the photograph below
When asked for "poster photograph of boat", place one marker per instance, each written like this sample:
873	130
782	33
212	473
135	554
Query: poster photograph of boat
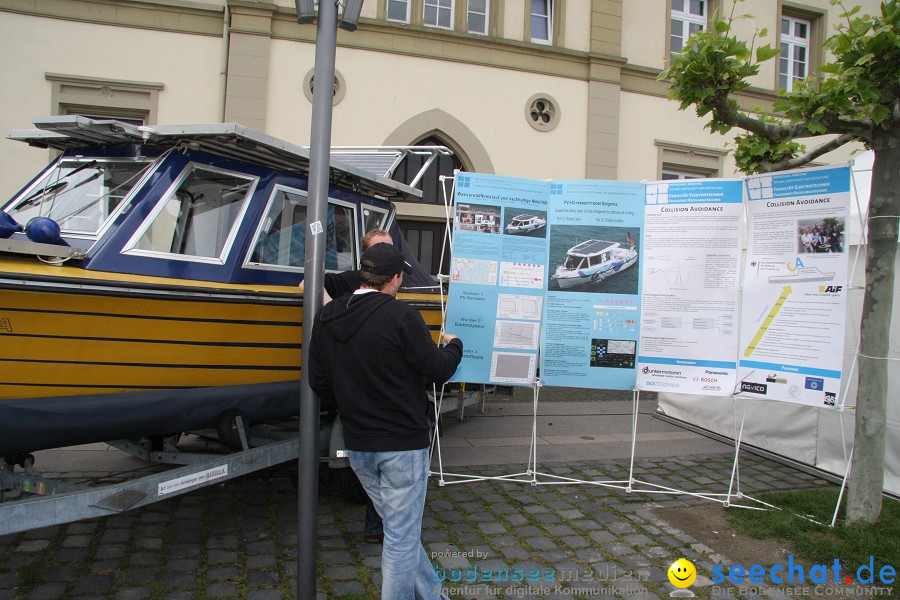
522	222
594	259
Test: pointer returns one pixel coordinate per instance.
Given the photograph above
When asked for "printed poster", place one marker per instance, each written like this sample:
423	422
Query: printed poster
693	230
593	309
795	286
497	277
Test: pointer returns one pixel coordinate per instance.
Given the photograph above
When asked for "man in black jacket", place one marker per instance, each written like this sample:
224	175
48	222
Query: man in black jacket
369	352
336	285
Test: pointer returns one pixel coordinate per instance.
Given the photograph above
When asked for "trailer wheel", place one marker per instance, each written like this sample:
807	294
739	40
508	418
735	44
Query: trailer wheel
349	486
227	428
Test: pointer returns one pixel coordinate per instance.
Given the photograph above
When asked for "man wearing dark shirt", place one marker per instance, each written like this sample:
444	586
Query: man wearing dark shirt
369	353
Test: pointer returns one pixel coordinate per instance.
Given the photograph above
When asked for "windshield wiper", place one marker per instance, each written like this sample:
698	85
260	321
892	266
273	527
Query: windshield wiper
31	200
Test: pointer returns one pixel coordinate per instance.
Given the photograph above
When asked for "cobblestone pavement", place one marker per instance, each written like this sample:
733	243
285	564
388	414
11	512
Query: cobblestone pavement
238	540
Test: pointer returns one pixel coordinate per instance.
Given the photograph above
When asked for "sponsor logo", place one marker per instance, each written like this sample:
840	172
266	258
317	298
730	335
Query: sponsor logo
814	383
664	384
709	379
708	372
830	398
830	289
754	388
774	378
714	388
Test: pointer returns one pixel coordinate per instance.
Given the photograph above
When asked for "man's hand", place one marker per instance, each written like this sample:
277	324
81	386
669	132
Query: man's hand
448	337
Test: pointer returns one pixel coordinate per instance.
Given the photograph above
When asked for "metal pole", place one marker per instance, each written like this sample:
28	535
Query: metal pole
317	226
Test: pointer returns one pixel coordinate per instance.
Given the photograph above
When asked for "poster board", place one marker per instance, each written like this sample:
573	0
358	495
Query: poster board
693	231
497	277
795	286
552	275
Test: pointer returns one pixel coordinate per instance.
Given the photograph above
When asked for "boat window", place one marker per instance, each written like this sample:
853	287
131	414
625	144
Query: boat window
373	218
80	194
281	239
198	219
572	262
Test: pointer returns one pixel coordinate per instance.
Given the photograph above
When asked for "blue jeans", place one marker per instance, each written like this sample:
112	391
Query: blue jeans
396	483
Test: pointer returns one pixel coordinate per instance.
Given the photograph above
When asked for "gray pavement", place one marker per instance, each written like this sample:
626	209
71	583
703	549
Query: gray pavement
589	539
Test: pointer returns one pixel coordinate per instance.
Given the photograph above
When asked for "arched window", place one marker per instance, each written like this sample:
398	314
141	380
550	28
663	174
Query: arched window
426	236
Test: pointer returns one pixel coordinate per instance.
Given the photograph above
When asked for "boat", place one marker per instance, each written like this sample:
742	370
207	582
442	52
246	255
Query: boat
167	301
593	261
525	223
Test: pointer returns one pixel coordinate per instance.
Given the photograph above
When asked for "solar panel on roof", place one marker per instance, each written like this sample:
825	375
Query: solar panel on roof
591	247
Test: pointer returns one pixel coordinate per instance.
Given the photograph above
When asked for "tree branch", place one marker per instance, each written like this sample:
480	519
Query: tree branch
799	161
726	112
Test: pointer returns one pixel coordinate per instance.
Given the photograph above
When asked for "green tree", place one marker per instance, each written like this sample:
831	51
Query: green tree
856	98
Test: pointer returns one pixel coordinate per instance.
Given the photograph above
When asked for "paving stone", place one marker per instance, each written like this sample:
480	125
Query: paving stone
93	584
225	573
132	593
492	528
542	543
345	588
47	591
224	589
265	595
602	537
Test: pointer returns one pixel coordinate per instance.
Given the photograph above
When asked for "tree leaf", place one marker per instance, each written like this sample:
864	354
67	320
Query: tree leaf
767	52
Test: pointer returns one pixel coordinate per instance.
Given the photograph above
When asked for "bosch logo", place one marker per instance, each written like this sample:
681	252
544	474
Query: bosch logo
709	379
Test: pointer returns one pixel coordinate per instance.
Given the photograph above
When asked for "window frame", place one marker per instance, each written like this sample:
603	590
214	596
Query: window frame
131	249
438	8
387	11
150	166
486	14
549	18
254	239
687	19
688	159
790	42
118	98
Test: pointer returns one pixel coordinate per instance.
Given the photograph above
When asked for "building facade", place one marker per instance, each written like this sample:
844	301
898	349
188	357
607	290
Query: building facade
543	89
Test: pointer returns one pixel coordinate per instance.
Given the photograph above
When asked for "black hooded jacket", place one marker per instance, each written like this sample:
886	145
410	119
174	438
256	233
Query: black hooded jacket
369	353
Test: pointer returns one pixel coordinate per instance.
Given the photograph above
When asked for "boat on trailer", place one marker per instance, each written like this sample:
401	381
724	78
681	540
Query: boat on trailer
593	261
170	302
525	223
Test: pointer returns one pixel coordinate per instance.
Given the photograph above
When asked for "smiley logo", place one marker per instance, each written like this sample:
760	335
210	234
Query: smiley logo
682	573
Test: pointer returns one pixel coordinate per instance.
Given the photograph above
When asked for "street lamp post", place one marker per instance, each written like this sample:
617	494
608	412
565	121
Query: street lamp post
317	222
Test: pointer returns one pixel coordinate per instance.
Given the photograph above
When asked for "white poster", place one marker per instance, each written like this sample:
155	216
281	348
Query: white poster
691	268
795	286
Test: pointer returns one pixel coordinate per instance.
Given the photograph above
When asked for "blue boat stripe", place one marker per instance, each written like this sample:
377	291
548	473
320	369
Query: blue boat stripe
296	346
153	318
153	365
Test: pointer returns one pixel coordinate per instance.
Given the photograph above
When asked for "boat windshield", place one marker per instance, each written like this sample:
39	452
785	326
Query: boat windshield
573	262
80	194
281	240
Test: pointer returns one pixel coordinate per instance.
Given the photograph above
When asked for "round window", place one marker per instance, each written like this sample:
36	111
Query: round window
542	112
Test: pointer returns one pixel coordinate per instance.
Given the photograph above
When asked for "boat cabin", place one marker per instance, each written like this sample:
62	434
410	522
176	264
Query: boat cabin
215	202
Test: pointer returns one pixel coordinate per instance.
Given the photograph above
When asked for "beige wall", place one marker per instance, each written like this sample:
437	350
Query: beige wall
479	85
644	40
190	95
490	102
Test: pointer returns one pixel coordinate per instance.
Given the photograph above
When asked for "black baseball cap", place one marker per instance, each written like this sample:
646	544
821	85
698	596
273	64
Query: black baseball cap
383	259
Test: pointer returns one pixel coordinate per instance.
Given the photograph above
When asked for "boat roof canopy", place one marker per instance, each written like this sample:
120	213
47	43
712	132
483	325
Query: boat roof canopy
364	168
592	247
